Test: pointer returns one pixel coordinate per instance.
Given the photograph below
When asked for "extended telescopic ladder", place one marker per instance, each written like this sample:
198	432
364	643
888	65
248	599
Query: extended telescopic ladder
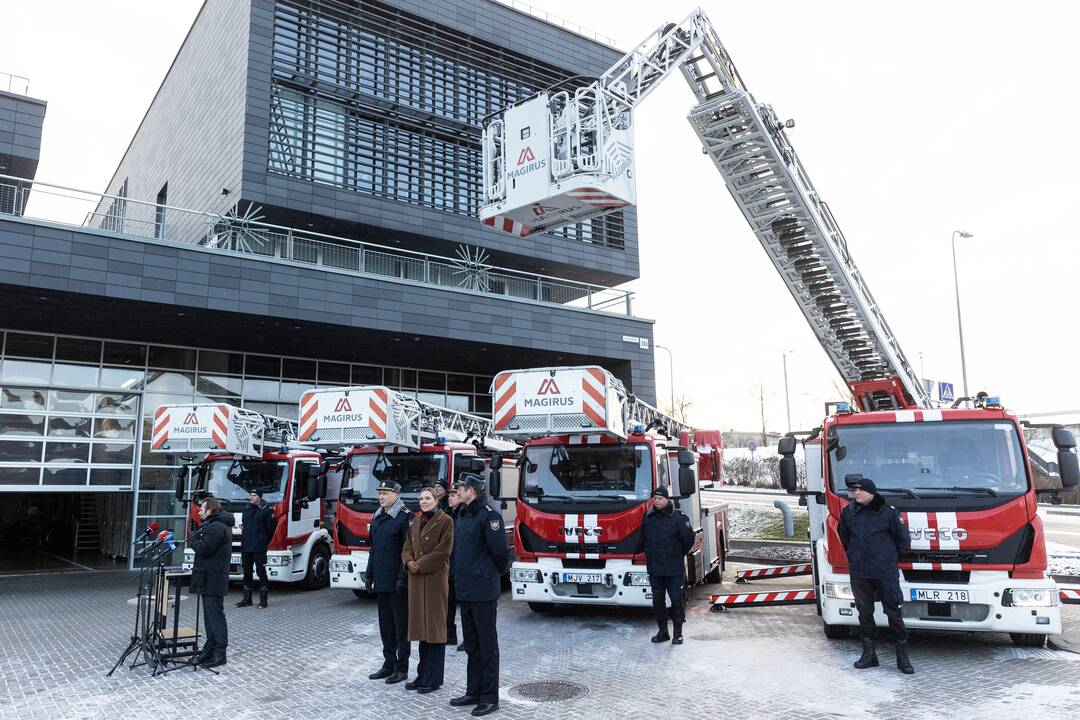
748	144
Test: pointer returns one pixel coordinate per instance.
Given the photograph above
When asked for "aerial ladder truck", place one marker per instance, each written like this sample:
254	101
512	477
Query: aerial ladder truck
243	450
961	476
593	455
383	434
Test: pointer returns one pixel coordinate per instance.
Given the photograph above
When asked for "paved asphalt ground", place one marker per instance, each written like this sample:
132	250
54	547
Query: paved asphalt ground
309	654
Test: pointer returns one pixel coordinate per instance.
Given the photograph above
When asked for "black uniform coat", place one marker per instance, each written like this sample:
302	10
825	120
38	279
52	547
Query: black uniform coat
873	536
257	528
212	544
666	538
387	536
480	553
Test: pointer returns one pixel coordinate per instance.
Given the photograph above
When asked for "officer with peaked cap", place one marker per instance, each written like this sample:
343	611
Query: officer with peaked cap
386	577
480	558
666	538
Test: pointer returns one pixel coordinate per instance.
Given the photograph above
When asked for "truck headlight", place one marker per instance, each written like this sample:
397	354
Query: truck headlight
279	560
1029	597
341	566
522	575
839	591
638	579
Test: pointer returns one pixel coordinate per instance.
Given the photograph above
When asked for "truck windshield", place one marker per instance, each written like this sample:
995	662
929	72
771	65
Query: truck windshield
412	471
235	479
930	459
585	471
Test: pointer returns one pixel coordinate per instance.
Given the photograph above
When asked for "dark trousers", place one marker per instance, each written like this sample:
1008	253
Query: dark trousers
394	629
867	591
217	630
256	561
482	645
451	614
673	587
429	671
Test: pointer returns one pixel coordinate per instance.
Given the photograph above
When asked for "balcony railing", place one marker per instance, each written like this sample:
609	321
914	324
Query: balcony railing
247	236
573	27
16	84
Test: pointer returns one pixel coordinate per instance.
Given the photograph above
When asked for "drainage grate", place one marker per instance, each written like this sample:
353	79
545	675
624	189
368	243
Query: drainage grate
549	691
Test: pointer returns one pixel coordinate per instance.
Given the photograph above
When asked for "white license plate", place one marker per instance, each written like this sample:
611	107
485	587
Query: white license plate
928	595
582	578
235	559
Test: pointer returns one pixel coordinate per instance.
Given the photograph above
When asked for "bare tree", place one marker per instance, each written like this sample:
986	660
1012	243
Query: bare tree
681	410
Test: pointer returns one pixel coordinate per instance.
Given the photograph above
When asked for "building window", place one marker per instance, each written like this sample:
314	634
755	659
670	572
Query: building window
338	70
159	212
117	212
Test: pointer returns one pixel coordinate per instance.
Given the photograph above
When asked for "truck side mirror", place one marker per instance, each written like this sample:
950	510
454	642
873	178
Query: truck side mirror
1068	467
181	481
685	457
495	485
496	461
788	475
313	481
687	481
477	465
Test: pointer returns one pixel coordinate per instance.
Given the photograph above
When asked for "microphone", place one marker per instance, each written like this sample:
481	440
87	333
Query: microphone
150	530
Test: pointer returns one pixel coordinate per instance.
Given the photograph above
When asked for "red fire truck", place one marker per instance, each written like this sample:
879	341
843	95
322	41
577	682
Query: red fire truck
593	454
388	435
243	450
960	476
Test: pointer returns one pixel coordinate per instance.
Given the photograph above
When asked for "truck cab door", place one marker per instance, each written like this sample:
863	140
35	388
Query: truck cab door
302	520
815	483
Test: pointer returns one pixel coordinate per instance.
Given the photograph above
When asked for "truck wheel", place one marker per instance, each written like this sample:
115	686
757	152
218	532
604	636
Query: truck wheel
715	575
539	607
836	632
318	568
362	594
1036	640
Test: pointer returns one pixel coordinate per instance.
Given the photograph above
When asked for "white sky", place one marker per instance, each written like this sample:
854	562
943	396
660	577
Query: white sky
912	119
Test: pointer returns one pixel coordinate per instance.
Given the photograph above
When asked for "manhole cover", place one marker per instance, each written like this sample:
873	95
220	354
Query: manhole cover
549	691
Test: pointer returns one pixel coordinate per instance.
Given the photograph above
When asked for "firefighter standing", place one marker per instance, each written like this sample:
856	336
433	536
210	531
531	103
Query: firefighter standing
453	503
480	557
385	576
666	537
258	525
873	536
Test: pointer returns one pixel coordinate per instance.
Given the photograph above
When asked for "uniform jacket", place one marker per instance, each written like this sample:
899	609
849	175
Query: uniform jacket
388	530
428	544
212	544
257	528
480	551
873	536
666	538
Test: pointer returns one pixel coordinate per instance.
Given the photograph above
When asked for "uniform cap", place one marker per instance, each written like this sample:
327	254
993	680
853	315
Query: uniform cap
255	491
861	483
389	486
467	479
662	491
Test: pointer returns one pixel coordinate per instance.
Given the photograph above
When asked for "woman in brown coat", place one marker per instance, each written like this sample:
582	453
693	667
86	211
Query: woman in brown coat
427	558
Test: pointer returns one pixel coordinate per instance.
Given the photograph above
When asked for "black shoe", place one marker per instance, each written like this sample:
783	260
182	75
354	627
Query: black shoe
204	655
869	656
246	602
264	593
451	640
412	684
461	647
676	633
422	690
902	661
464	700
396	678
380	674
677	640
217	661
660	637
484	709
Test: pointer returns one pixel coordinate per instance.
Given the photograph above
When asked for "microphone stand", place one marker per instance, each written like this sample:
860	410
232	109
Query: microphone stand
140	639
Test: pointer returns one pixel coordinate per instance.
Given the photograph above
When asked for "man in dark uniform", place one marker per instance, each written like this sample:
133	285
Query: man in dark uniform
385	576
212	544
480	558
258	525
453	504
666	538
873	536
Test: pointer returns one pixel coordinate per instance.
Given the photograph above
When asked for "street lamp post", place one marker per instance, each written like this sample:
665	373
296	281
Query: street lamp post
959	320
671	374
787	395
